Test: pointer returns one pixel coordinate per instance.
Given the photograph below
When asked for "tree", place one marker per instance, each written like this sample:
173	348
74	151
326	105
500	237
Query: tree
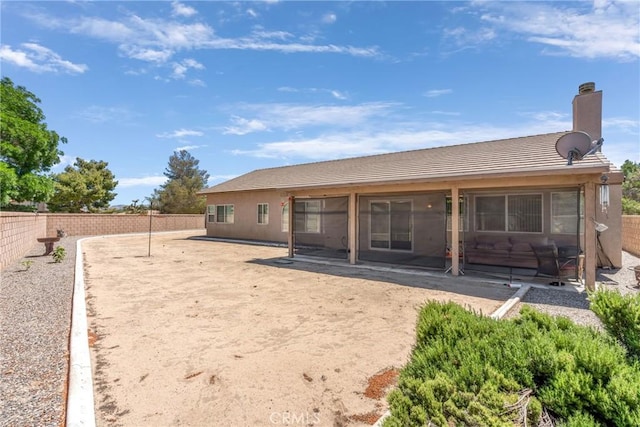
27	147
179	193
85	186
631	188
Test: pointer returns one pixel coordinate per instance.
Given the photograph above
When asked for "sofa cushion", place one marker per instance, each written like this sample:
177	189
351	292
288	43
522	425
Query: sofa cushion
531	240
504	245
483	238
522	247
486	246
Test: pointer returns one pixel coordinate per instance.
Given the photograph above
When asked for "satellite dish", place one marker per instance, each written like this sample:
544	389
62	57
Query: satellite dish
576	145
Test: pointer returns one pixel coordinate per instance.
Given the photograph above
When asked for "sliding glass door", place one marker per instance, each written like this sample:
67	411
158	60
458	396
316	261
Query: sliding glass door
391	225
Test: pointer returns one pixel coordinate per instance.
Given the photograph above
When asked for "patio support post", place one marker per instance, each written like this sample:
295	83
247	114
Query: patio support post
455	232
290	235
353	227
590	236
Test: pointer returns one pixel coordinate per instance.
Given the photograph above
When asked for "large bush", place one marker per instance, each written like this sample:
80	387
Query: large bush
621	318
471	370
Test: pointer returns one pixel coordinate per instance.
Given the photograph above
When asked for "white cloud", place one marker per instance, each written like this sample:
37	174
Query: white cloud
622	124
606	29
157	40
243	126
465	38
329	18
445	113
338	95
559	121
333	92
146	181
64	161
159	56
180	68
293	116
39	59
373	137
252	13
180	133
433	93
188	147
197	82
101	114
180	9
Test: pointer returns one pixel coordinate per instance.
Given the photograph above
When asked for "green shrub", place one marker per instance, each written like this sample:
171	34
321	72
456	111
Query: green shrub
620	315
471	370
58	254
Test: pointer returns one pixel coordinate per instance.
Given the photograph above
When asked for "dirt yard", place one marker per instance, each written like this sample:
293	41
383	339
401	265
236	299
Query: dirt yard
206	333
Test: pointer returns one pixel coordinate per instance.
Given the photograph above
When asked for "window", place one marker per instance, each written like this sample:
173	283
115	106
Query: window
307	216
490	213
285	218
391	225
463	223
211	213
513	212
564	212
224	214
263	213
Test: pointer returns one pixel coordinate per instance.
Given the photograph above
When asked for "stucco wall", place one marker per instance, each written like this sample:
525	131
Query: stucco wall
245	224
611	239
631	234
18	234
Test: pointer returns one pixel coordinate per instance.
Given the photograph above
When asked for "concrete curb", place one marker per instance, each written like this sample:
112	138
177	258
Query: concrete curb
498	314
80	407
508	305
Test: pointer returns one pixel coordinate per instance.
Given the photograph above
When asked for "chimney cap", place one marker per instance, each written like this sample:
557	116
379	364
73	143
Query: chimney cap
586	88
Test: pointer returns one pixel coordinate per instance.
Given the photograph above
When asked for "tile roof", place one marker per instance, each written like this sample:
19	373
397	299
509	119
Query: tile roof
516	156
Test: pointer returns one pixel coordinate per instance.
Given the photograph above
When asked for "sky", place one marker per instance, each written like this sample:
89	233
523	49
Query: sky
252	85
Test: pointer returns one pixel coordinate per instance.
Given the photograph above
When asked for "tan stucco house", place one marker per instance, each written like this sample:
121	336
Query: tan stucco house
398	208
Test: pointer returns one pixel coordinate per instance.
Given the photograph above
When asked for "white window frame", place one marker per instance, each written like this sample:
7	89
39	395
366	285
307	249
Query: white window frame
317	228
263	213
228	216
211	213
463	219
506	212
552	216
284	221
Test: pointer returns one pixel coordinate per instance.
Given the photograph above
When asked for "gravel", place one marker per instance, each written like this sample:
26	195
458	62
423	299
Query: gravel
35	321
566	302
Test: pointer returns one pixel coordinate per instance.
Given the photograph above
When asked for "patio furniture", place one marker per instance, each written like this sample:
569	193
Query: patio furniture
48	243
552	265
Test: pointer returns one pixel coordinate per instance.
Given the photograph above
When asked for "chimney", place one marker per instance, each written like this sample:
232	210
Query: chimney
587	110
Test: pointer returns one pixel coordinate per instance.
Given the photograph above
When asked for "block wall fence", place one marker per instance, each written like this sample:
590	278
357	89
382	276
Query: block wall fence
18	234
631	234
20	230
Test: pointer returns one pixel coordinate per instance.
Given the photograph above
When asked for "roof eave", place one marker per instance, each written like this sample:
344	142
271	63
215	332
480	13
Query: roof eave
583	170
